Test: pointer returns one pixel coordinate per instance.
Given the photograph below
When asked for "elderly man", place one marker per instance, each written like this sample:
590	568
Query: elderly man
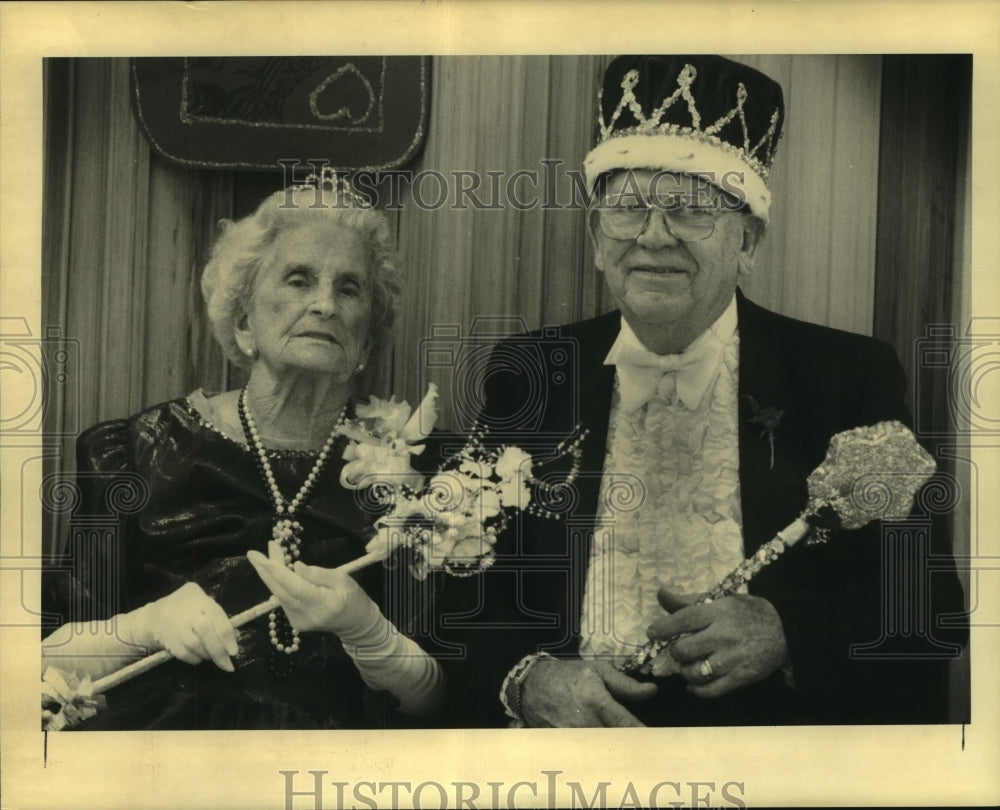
704	416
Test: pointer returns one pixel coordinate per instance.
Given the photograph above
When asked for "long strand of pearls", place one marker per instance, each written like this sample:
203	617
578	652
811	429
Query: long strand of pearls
287	530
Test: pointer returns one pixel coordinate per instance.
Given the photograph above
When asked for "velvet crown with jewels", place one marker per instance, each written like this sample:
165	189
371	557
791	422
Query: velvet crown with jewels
703	115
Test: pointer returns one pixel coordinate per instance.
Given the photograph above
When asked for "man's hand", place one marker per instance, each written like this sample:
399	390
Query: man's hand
580	694
740	637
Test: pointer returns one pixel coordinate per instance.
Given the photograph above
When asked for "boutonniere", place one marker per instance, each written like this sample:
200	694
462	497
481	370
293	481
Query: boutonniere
767	418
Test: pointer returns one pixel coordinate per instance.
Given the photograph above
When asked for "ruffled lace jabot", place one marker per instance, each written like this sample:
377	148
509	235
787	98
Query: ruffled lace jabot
680	525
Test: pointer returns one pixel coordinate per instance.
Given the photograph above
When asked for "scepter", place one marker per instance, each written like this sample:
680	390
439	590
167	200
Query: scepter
449	523
869	473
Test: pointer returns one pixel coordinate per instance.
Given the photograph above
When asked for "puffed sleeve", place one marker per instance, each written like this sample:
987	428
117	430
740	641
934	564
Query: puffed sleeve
89	580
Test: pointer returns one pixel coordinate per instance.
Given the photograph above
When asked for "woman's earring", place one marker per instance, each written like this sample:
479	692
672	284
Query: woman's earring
360	368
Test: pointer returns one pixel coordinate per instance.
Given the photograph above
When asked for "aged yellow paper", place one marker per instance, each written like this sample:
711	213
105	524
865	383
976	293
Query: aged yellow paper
732	767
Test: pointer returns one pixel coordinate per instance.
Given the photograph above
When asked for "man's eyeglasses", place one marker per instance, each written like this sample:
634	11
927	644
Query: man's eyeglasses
689	223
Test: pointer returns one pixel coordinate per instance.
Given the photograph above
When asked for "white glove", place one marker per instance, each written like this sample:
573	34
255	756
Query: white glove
188	623
327	600
314	598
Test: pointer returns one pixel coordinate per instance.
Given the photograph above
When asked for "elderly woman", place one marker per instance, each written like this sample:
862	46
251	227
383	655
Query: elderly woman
303	296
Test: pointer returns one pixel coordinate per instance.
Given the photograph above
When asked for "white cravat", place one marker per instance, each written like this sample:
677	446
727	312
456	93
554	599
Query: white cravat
682	530
642	373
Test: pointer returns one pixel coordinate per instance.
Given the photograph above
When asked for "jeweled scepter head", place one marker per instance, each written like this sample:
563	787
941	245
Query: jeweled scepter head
869	473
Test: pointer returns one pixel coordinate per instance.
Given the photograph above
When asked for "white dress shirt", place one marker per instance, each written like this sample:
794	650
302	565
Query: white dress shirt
669	512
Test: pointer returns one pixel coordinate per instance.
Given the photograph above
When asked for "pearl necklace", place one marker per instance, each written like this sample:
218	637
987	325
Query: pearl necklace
286	530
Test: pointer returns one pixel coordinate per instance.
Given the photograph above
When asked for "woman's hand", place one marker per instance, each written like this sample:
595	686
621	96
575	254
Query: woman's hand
189	624
315	598
331	601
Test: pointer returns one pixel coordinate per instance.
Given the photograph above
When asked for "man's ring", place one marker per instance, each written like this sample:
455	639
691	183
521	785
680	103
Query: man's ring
705	668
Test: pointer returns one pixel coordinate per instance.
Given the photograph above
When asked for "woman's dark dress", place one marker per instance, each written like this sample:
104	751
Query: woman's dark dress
203	506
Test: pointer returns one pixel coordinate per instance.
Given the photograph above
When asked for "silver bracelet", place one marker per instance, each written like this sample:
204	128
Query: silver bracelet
510	689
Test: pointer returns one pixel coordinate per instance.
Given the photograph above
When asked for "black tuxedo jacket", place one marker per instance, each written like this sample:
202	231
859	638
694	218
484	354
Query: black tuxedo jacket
861	629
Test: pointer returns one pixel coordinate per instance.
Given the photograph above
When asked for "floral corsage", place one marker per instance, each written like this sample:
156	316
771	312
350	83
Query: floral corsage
450	520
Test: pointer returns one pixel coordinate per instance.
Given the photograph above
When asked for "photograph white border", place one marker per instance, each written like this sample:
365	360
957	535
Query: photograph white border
792	766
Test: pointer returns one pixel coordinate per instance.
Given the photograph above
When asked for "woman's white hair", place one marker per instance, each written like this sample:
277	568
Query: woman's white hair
230	276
